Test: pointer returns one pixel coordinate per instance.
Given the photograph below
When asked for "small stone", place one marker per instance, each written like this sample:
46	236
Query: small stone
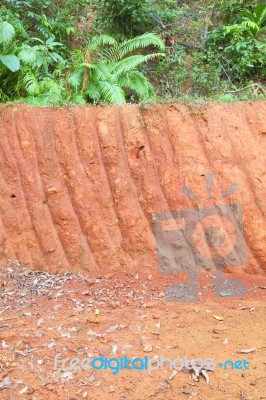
149	305
90	282
39	322
147	348
109	276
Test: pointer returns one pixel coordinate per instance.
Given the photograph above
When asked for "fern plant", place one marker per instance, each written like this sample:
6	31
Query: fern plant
108	71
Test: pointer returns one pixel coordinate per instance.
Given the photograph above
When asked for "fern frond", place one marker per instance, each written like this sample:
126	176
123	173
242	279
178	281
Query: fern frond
100	72
128	46
92	91
31	84
131	62
76	99
76	79
99	41
250	24
138	83
52	92
111	92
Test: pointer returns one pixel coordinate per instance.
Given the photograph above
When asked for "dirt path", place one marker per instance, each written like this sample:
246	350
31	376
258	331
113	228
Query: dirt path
42	315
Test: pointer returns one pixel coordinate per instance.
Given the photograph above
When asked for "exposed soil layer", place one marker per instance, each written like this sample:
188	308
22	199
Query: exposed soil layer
79	186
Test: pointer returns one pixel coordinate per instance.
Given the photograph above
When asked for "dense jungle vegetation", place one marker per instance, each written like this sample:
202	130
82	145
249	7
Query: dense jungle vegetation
64	52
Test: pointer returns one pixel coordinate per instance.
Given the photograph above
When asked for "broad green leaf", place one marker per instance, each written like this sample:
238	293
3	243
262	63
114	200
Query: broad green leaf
7	32
11	62
28	55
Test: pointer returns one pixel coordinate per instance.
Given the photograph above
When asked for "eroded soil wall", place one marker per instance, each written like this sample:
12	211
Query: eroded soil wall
78	186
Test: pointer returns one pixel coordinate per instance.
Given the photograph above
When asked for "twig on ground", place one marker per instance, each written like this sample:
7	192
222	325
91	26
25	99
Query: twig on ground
256	87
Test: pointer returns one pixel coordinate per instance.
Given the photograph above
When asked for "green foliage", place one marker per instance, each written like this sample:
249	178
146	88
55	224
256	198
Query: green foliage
243	43
29	67
56	52
229	10
37	70
206	73
48	18
123	16
180	74
252	22
134	17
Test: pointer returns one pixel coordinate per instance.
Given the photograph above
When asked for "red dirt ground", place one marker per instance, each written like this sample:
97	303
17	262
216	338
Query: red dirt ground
34	328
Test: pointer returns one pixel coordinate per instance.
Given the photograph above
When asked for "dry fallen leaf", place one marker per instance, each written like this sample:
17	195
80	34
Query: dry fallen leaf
218	317
173	374
51	344
5	383
206	376
247	351
114	349
190	392
66	376
226	341
24	390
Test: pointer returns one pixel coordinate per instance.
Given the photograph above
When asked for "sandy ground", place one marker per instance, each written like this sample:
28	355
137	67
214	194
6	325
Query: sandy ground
42	315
